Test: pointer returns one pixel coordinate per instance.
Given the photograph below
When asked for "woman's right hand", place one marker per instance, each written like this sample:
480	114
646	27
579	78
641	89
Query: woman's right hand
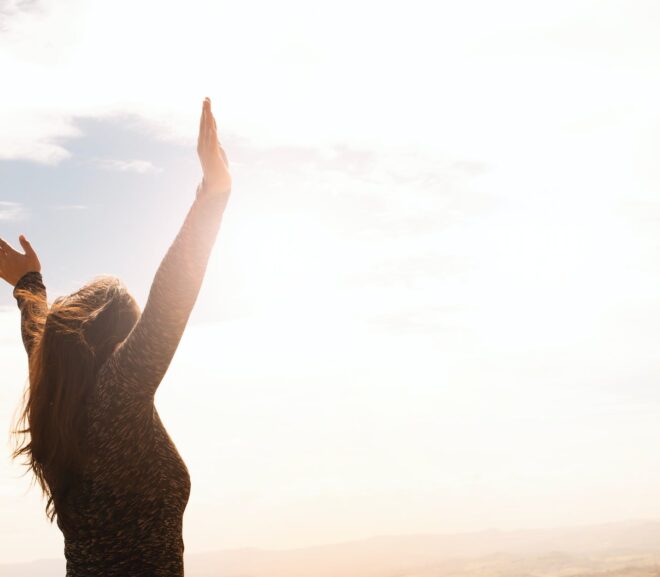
13	264
217	180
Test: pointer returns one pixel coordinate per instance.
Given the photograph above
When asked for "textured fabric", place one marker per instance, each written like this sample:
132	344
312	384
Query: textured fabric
30	309
127	513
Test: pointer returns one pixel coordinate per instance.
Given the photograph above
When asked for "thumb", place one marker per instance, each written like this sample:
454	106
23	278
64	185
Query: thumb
27	247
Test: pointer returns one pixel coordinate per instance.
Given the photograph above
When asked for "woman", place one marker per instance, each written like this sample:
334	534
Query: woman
91	434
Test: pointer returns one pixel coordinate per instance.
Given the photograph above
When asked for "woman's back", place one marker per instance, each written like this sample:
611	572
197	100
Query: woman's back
127	511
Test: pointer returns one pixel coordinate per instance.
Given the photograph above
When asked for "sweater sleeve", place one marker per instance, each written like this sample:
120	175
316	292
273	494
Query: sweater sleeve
140	362
30	295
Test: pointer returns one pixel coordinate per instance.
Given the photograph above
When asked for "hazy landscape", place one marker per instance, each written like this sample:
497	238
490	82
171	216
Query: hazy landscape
614	550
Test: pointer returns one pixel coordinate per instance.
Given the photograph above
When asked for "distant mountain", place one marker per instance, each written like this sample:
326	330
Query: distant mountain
629	549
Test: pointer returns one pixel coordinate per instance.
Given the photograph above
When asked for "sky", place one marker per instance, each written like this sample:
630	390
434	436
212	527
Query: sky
433	301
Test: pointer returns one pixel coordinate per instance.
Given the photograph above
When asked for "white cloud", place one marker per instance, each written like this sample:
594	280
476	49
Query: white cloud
13	7
11	210
31	133
69	207
139	166
11	10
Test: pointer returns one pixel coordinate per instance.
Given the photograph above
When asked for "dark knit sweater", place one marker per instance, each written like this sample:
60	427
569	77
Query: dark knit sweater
125	517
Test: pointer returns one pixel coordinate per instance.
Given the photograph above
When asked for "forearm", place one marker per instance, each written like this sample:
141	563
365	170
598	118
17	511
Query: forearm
182	269
179	277
31	297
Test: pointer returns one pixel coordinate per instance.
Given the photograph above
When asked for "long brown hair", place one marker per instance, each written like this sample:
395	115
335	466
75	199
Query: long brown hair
71	341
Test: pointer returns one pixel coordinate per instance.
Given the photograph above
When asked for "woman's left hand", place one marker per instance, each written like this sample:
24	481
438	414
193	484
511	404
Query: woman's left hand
13	264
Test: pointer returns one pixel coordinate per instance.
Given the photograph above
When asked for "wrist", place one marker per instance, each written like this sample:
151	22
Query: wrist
206	189
30	281
26	276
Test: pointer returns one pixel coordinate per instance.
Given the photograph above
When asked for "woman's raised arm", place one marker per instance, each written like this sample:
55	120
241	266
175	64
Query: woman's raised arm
140	362
23	272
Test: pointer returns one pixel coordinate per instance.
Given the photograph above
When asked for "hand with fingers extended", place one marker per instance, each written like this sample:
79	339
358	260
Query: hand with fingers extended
217	180
13	264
